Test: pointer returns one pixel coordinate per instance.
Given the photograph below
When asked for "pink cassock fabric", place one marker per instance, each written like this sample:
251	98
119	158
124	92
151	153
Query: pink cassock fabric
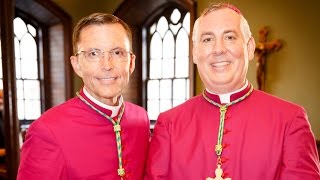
73	142
265	138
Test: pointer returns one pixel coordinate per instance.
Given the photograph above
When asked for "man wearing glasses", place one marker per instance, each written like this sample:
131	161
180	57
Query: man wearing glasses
95	135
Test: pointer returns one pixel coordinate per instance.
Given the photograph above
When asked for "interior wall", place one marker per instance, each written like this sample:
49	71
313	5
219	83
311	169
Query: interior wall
291	73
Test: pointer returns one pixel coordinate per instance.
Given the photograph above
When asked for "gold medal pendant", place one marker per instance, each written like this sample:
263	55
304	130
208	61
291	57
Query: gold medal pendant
218	173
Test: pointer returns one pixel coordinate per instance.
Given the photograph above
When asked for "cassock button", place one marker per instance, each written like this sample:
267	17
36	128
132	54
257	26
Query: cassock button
225	145
225	174
225	131
125	162
228	116
223	159
128	175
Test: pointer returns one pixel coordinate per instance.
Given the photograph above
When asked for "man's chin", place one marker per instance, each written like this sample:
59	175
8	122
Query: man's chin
110	95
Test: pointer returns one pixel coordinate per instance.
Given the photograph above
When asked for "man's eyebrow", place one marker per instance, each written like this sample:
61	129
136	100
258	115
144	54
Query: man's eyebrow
230	31
206	34
212	34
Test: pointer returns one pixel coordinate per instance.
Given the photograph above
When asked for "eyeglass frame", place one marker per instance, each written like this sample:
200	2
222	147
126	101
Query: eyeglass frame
102	54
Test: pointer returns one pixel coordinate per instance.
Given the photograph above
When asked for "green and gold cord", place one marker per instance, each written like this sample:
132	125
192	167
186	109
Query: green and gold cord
223	111
116	129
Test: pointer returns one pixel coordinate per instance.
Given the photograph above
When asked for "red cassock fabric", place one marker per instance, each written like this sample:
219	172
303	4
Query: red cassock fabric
265	138
74	142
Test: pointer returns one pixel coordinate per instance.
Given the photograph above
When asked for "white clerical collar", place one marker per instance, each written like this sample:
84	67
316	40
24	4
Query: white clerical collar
114	109
225	98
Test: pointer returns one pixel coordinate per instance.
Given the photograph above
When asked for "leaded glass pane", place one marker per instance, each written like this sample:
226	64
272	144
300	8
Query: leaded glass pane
168	68
20	109
186	22
175	28
168	45
182	67
165	89
162	26
165	105
188	89
182	49
33	110
29	69
153	90
153	108
176	102
155	68
17	48
19	86
156	46
28	47
31	90
32	30
20	28
179	89
175	16
153	28
18	68
168	54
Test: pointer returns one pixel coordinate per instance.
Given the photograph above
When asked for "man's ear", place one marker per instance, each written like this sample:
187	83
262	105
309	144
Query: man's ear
132	63
76	65
194	54
195	40
251	48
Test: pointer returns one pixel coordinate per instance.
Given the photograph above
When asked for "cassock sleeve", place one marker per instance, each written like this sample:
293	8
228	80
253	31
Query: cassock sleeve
300	157
159	152
41	156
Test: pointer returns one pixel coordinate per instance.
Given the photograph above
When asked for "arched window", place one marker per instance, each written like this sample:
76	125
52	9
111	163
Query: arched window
28	72
168	76
164	74
35	70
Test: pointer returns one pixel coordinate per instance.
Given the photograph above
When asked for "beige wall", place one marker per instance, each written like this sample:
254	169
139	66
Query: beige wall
292	73
80	8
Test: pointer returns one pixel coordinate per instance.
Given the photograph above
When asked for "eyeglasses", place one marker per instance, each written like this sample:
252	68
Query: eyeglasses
95	55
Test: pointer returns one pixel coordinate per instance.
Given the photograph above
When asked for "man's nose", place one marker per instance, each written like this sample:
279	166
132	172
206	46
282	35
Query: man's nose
106	61
219	47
